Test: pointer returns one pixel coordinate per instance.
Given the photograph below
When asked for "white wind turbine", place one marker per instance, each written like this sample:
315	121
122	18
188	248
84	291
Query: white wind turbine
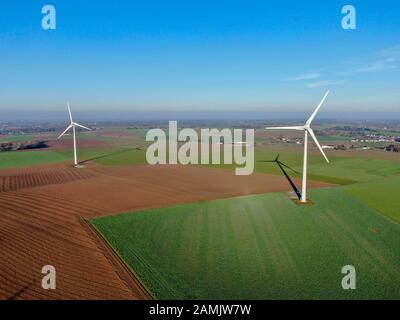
307	130
73	125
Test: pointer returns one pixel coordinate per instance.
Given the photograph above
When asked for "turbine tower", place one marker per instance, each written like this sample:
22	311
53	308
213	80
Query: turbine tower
73	125
307	130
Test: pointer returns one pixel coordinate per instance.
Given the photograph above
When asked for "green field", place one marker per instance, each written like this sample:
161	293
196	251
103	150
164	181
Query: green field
341	170
16	138
122	157
336	138
122	150
18	159
357	169
112	156
260	247
379	194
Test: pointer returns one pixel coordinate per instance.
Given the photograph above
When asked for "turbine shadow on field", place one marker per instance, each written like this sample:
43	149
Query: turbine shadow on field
297	173
281	166
111	154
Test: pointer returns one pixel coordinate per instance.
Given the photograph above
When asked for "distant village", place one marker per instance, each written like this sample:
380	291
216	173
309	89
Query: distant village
358	139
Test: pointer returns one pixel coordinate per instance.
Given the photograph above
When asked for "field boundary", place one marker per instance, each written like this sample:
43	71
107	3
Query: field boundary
127	276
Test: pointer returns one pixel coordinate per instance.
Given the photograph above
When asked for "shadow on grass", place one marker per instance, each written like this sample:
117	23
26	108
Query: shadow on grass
281	166
112	154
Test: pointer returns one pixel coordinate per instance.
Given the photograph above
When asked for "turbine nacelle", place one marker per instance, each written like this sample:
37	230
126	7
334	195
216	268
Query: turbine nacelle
72	124
307	126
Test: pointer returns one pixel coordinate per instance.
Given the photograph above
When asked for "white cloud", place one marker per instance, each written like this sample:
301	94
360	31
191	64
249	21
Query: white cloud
380	65
383	60
305	76
388	58
324	83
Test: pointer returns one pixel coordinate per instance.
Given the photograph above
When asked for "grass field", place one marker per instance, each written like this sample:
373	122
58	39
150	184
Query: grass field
336	138
109	157
357	169
16	138
260	247
341	170
123	156
379	194
114	156
28	158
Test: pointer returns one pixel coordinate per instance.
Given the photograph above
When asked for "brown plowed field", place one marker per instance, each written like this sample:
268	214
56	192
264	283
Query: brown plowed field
44	225
29	179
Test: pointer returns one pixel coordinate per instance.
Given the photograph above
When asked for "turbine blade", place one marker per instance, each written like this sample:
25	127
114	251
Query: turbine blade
81	126
286	128
311	132
65	131
69	111
316	110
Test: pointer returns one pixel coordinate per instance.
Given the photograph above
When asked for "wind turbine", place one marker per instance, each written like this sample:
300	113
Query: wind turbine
307	130
73	125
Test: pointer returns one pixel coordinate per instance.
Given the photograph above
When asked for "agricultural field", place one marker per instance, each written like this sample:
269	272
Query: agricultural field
122	157
357	169
259	247
207	233
199	150
44	209
117	147
17	159
380	194
341	170
15	138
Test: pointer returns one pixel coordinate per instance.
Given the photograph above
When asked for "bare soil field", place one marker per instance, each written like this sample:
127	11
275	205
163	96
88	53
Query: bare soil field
135	187
43	223
16	179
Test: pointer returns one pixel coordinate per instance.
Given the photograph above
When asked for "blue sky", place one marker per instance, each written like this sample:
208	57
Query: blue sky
192	56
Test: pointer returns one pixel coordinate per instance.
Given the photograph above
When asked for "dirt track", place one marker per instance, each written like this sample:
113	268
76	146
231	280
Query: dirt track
42	225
